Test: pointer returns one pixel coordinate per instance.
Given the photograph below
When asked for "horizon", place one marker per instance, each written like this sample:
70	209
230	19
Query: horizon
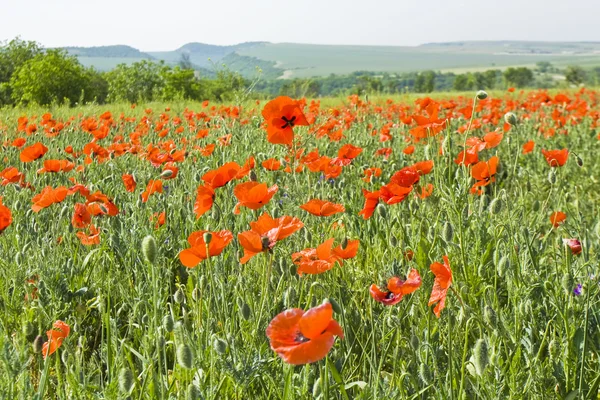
152	27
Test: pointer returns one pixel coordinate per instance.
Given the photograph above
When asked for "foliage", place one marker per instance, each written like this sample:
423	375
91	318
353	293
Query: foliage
519	77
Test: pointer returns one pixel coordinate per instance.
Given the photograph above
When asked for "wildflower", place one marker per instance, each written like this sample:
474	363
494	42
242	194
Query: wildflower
322	208
59	332
578	289
397	288
204	246
5	216
556	158
557	218
574	245
282	114
265	233
253	195
443	280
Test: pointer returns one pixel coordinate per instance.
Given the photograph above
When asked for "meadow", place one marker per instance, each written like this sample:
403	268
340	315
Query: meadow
439	247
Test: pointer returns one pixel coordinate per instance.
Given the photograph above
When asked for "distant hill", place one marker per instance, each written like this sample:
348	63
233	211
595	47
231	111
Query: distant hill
290	60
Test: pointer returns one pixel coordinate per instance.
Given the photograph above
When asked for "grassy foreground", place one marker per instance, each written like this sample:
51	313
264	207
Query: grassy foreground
522	318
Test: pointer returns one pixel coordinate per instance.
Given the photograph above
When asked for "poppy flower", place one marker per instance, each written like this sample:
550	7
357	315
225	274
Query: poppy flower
91	238
5	216
574	245
33	152
493	139
441	283
467	157
205	197
47	197
322	208
371	201
300	337
198	252
346	154
484	172
221	176
406	177
100	204
160	219
56	166
348	251
557	218
11	175
409	150
556	158
397	288
426	191
129	182
272	164
154	186
282	114
528	147
246	168
59	332
265	233
81	216
369	172
253	195
316	261
170	171
393	193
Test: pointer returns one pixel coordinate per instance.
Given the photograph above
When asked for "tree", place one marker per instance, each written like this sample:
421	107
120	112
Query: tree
180	84
425	82
48	77
519	77
12	56
185	62
575	75
543	66
141	81
461	83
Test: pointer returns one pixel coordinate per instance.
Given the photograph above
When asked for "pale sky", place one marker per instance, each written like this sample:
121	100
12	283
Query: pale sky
153	25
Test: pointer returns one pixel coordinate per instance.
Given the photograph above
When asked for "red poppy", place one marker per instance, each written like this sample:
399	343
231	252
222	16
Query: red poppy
33	152
282	114
322	208
198	252
272	164
468	157
348	251
397	288
100	204
441	283
129	182
556	158
369	172
557	218
59	332
574	245
265	233
91	238
528	147
426	191
253	195
393	193
346	154
300	337
47	197
409	150
316	261
221	176
371	201
154	186
81	216
5	216
493	139
11	175
160	219
484	172
205	197
56	166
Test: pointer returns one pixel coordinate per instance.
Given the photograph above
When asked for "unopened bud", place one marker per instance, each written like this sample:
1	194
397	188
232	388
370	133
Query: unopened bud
344	243
166	174
168	323
448	232
482	95
37	344
192	393
552	177
185	358
496	206
207	237
510	118
220	345
125	380
382	211
335	305
480	356
579	160
149	249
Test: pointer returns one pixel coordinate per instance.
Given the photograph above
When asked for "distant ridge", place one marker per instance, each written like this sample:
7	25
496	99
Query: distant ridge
120	51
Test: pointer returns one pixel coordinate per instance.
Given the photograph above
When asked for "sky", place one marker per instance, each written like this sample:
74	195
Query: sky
152	25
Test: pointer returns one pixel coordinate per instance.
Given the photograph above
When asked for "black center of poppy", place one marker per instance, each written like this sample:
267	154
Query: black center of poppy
288	122
389	295
300	338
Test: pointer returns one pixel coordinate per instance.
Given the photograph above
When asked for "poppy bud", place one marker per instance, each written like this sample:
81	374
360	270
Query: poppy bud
503	265
316	392
425	373
335	305
536	206
510	118
484	202
490	317
567	283
149	249
196	291
552	177
215	213
480	356
554	349
426	151
220	345
496	206
448	232
393	240
382	211
185	358
307	235
125	380
344	243
578	160
168	323
482	95
37	344
465	213
179	296
27	328
253	177
414	342
207	237
245	311
166	174
192	393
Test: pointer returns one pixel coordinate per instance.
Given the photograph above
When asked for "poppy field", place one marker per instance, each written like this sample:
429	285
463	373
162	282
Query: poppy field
353	248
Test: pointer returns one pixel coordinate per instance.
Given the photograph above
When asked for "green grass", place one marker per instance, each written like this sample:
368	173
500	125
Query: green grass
512	286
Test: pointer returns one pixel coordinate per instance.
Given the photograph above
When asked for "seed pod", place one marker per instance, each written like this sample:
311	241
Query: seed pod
482	95
480	356
125	380
220	345
382	211
510	118
490	317
149	250
37	344
207	237
448	232
179	296
535	206
245	310
425	373
414	342
552	177
185	358
168	323
192	393
496	206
